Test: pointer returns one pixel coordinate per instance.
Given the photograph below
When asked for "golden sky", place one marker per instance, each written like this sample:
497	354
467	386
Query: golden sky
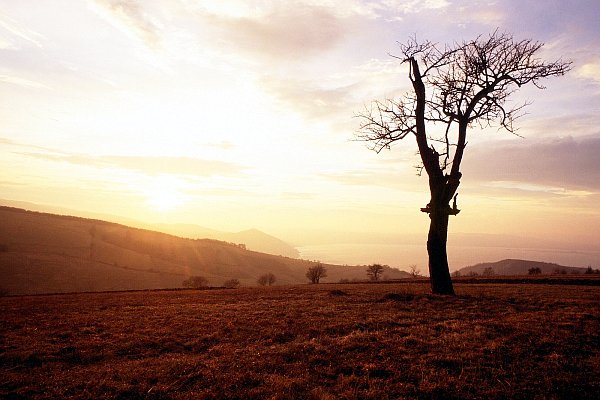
239	114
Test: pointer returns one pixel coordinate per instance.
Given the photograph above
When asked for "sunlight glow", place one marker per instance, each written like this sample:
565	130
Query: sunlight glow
164	193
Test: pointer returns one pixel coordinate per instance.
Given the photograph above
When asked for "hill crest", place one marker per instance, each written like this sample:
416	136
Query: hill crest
518	267
49	253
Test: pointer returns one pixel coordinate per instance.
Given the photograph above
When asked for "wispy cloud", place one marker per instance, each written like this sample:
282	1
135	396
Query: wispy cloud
150	165
131	17
19	31
23	82
291	33
566	164
590	71
309	98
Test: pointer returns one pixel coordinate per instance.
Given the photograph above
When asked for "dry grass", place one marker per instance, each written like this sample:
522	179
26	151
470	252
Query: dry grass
305	342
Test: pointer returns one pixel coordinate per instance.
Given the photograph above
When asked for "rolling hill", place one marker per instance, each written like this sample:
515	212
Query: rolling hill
253	239
519	267
48	253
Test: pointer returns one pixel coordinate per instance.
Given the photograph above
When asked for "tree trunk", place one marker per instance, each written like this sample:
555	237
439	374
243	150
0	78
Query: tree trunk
439	272
442	188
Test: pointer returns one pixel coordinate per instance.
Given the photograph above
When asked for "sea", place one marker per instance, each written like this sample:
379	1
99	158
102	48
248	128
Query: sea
403	255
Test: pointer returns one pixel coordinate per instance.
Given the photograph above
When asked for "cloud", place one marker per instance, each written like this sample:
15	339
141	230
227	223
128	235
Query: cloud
310	99
590	71
294	196
414	6
174	165
284	33
567	164
20	32
130	16
28	83
403	179
150	165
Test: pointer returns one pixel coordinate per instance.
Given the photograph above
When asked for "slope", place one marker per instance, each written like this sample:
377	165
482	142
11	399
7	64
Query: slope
518	267
47	253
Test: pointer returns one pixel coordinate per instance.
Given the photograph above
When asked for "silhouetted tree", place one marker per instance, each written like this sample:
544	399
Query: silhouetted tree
414	270
374	271
316	272
488	271
560	271
231	283
195	282
534	271
266	279
453	89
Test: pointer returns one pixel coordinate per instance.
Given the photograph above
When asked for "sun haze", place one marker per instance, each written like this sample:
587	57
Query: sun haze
236	115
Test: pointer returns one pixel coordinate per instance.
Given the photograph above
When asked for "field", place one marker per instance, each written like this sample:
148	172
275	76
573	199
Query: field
355	341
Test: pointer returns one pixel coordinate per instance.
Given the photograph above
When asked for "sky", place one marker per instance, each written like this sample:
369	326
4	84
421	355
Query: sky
241	114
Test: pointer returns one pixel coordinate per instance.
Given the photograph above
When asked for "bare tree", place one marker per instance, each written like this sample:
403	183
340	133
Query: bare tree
453	89
266	279
374	271
316	272
414	270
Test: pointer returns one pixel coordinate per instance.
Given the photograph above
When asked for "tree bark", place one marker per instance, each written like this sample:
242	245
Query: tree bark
442	189
439	272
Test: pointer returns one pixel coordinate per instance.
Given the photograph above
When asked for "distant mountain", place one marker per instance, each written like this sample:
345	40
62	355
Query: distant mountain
253	239
48	253
519	267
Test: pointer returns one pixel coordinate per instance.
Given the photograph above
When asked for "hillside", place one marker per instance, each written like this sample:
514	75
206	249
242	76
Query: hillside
47	253
519	267
253	239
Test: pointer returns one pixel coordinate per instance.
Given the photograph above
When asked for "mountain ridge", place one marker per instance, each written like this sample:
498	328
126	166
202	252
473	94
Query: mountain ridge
49	253
512	266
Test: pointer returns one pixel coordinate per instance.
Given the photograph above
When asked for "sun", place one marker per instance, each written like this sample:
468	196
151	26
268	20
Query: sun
164	201
164	194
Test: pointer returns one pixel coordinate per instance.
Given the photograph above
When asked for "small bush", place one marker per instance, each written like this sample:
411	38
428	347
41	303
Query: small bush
231	283
266	279
195	282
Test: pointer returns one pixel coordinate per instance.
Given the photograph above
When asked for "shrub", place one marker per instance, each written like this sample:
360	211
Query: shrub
195	282
266	279
560	271
231	283
414	270
534	271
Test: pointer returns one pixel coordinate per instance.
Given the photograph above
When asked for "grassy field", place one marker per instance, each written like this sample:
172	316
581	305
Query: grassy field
392	341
